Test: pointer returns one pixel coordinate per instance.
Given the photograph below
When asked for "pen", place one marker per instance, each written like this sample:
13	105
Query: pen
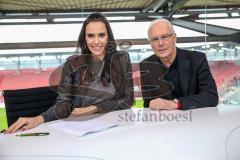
33	134
2	131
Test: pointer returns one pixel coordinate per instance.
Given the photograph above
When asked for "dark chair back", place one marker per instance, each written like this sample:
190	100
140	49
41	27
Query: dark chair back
28	102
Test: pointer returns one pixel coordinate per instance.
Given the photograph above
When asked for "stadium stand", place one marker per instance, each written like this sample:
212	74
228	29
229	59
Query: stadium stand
224	72
30	78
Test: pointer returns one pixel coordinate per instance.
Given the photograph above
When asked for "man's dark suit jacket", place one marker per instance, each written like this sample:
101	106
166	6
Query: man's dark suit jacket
196	82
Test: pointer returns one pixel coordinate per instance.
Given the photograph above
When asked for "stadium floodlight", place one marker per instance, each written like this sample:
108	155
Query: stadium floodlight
21	20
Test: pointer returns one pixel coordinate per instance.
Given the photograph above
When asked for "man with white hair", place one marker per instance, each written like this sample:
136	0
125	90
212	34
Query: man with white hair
174	78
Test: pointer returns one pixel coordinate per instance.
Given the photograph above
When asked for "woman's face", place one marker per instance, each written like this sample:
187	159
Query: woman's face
96	37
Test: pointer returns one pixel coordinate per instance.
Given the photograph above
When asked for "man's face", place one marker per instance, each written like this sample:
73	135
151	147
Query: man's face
162	39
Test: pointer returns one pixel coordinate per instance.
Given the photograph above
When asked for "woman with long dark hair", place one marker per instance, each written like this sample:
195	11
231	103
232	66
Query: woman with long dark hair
97	79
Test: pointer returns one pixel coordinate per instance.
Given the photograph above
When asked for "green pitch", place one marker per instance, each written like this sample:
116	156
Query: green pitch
138	103
3	119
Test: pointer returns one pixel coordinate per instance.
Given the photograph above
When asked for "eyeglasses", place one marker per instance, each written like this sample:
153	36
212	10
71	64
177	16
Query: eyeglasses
164	37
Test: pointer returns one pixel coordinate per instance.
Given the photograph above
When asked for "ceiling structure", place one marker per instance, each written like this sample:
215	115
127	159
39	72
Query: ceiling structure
10	6
140	10
183	13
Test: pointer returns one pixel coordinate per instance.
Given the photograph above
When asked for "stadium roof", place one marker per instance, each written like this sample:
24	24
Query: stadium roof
182	13
109	5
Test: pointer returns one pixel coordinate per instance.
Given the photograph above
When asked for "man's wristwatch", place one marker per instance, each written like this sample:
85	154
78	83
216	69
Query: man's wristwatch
177	102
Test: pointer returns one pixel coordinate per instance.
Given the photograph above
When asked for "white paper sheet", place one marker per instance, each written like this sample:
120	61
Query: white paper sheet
81	128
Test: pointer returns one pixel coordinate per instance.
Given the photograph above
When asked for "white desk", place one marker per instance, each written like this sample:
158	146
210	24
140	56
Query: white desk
202	134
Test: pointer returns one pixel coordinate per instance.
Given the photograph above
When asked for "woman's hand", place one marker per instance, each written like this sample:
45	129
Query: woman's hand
24	123
85	111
